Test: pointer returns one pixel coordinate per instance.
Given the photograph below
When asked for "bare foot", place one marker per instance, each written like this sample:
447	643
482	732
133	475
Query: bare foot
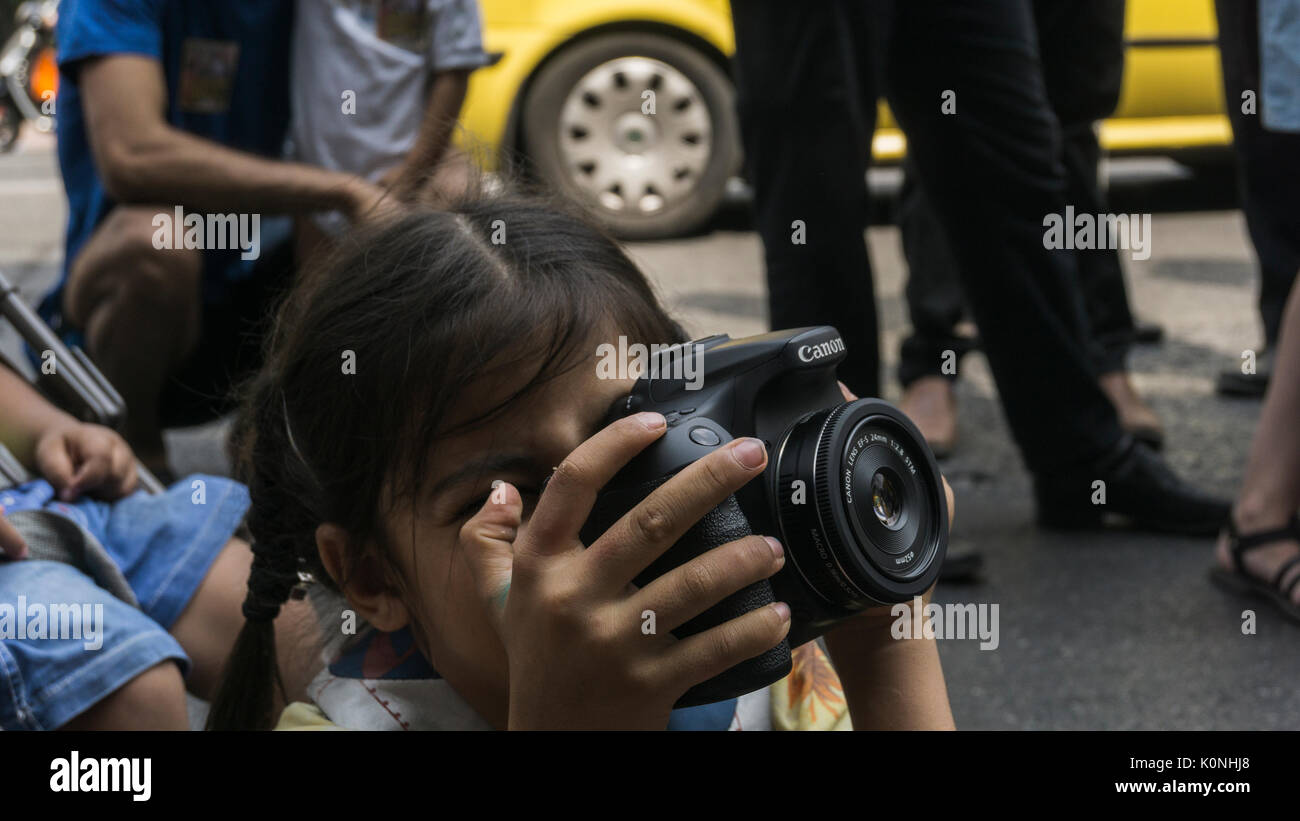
1135	415
932	405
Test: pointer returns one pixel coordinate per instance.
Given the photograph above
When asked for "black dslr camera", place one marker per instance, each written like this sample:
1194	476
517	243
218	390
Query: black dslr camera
851	488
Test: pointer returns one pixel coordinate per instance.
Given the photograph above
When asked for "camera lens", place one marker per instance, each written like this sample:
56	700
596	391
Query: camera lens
860	505
885	500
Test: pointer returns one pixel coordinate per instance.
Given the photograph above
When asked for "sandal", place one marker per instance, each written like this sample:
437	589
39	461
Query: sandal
1239	580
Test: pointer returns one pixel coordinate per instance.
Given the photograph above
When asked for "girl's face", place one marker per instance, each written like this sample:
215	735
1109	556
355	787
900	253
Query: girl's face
521	445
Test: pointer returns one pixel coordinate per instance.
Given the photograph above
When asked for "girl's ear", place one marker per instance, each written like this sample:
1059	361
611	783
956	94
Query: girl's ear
362	581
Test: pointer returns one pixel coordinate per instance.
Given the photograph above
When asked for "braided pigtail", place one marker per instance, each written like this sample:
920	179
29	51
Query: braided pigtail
282	521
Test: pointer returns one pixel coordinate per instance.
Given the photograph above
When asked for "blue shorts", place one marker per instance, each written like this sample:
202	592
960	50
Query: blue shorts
163	545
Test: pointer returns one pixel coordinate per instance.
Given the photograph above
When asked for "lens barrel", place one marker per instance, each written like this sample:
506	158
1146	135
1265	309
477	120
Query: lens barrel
860	505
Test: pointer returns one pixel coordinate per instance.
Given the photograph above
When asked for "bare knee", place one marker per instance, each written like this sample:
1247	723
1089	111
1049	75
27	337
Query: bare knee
153	700
121	270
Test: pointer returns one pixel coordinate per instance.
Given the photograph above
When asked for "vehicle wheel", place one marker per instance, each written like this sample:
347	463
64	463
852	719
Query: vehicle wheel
10	121
640	127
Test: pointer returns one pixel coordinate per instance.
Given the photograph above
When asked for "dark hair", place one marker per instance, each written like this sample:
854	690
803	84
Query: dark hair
424	303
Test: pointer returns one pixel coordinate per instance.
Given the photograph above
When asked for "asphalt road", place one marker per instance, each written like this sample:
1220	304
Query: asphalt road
1097	631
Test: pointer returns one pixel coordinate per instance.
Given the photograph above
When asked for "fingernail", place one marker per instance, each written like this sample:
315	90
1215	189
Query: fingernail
782	609
750	453
651	420
777	550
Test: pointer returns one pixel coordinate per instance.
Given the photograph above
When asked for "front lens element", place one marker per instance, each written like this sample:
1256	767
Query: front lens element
886	500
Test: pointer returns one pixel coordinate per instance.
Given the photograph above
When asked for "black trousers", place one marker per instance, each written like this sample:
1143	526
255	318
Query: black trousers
1081	48
809	76
1268	164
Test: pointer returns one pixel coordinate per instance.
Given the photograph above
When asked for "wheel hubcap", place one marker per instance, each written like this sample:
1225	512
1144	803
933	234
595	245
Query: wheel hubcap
635	136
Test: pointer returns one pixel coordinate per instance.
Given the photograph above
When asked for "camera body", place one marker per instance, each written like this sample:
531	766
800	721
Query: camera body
851	489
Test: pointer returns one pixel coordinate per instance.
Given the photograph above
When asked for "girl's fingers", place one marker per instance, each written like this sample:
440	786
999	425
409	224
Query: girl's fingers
488	541
571	491
91	474
655	525
124	478
704	655
684	592
54	462
12	543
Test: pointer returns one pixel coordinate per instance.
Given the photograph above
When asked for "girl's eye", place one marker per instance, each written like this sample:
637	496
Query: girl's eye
474	506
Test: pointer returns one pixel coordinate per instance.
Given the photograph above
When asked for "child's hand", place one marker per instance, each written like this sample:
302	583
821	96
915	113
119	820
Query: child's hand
11	541
82	458
569	618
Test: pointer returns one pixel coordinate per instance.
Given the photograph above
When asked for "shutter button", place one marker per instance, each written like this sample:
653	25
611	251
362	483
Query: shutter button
705	437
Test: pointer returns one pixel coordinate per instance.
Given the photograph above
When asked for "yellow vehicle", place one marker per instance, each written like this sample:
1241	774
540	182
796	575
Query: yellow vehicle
570	93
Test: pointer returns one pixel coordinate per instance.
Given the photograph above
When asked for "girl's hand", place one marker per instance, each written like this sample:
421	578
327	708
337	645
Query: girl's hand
11	541
569	618
82	458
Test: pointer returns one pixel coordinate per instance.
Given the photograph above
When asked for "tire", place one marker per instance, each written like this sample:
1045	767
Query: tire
645	173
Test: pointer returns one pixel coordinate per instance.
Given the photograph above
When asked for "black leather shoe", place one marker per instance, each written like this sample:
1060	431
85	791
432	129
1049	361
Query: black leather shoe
1137	487
1148	333
1233	382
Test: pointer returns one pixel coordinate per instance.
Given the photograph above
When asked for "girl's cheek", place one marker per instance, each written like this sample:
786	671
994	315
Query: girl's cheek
445	576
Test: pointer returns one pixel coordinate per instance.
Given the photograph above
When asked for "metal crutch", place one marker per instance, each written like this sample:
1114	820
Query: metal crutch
74	383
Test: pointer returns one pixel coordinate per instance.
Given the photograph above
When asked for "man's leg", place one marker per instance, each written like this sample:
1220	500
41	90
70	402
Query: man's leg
140	310
802	72
935	305
1081	47
1081	43
992	170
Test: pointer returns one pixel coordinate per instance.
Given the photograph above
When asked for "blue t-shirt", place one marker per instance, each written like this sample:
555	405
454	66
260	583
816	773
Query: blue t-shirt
226	64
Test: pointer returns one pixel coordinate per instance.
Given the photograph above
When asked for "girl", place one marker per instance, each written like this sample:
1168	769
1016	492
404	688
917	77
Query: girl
418	392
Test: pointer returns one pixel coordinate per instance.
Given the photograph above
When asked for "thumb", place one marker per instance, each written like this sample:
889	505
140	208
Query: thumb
54	462
488	539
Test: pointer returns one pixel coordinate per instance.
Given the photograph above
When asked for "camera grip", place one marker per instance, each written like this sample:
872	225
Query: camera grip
725	523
